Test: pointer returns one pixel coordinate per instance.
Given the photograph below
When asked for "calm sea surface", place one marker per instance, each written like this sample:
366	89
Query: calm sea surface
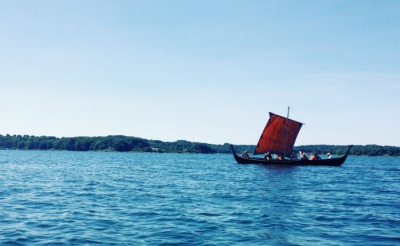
75	198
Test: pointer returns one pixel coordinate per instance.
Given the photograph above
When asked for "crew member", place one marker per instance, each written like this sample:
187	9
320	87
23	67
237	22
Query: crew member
267	156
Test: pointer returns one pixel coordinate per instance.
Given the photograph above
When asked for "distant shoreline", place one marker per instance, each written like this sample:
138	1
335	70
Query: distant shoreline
120	143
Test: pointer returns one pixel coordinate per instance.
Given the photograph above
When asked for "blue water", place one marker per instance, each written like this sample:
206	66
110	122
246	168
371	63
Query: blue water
75	198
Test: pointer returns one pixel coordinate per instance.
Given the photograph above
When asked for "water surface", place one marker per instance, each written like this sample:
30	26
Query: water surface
55	198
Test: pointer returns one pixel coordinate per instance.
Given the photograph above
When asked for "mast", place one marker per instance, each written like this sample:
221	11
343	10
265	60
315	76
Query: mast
286	131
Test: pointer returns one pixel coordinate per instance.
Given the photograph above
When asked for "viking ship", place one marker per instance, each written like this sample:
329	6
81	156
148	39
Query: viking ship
278	138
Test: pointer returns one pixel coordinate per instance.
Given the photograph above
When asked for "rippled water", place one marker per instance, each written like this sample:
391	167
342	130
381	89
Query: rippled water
91	198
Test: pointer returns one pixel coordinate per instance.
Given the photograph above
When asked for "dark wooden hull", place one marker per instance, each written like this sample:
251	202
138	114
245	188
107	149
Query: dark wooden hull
324	162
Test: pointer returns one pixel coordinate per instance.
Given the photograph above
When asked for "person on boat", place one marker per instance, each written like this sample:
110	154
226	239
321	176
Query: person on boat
329	155
293	157
315	157
303	156
245	155
280	158
267	156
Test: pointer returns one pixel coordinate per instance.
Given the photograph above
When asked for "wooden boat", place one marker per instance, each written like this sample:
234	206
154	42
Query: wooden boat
278	137
323	162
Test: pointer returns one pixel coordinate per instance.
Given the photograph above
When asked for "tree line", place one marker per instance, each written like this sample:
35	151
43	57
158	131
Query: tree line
125	144
108	143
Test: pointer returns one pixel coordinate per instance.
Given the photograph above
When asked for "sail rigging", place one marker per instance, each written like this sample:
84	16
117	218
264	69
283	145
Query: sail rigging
278	136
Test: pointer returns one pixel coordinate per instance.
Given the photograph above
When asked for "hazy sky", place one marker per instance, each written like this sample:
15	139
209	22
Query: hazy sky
202	71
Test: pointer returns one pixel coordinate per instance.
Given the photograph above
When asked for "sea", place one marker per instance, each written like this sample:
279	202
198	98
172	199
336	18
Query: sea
112	198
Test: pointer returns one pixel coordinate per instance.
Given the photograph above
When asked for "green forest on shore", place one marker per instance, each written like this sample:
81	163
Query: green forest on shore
126	144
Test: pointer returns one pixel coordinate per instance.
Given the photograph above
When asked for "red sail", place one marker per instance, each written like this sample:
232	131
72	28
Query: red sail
278	136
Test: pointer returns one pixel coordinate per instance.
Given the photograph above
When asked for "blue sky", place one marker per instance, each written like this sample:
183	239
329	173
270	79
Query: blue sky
203	71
